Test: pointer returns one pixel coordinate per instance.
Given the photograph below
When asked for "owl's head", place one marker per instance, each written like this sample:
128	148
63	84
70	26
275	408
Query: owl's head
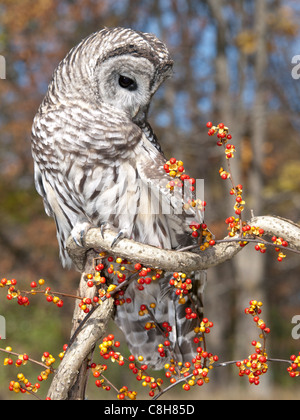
131	67
119	67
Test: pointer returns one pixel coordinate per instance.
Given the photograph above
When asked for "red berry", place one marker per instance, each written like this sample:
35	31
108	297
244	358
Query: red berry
60	303
99	267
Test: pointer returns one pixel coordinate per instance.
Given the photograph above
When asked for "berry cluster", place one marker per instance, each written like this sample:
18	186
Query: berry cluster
22	384
256	364
182	284
176	170
137	367
200	230
295	364
236	225
116	270
255	310
36	288
279	243
196	372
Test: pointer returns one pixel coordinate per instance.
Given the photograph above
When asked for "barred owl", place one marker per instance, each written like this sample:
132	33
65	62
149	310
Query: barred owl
97	162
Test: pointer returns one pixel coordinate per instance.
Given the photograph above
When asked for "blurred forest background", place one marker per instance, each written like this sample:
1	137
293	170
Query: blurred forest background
233	64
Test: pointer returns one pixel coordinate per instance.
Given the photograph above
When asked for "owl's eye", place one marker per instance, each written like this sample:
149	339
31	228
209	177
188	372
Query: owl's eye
127	83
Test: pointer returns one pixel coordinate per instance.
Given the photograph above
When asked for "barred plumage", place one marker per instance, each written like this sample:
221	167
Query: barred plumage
98	161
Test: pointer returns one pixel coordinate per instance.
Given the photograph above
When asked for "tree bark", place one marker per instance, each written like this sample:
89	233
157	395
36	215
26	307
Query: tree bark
69	382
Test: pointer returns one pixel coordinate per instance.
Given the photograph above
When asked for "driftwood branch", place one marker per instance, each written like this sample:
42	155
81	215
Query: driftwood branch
70	379
170	260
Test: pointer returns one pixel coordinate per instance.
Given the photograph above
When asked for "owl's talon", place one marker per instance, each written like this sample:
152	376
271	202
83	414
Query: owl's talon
102	225
78	233
77	242
116	238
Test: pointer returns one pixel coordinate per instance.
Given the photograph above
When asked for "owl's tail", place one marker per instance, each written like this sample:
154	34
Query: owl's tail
155	316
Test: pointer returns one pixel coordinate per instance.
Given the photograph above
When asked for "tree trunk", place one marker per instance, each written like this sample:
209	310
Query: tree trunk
70	380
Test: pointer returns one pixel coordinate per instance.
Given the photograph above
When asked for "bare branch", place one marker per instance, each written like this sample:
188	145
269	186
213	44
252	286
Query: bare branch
71	376
171	260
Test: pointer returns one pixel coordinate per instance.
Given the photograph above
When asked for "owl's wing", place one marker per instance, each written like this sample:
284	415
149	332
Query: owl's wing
94	166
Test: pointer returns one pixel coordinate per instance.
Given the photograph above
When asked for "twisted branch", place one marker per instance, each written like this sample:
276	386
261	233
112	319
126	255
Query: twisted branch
70	379
171	260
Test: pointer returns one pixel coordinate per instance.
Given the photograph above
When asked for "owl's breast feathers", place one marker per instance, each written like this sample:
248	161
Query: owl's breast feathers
101	167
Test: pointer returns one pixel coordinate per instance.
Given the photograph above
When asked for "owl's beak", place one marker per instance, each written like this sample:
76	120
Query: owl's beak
141	114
